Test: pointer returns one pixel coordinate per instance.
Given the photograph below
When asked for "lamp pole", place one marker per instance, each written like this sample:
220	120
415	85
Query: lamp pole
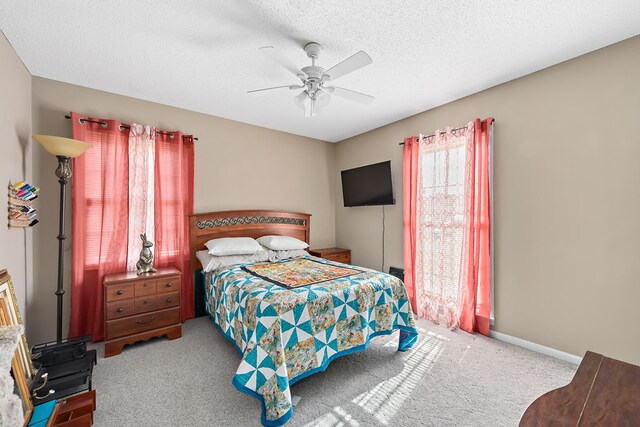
64	149
63	172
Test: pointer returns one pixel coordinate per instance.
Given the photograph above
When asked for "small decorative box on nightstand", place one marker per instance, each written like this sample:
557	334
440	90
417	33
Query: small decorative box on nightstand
333	254
139	307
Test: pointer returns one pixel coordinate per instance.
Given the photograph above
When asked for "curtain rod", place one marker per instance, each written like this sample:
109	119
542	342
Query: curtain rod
442	133
123	126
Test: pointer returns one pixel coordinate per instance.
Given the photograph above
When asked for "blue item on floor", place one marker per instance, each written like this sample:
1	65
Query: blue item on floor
41	414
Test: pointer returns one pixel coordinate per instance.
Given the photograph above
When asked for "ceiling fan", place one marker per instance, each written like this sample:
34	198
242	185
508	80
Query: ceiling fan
315	95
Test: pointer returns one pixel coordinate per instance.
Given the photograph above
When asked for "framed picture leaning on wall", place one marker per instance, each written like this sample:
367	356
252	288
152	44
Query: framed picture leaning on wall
7	292
17	370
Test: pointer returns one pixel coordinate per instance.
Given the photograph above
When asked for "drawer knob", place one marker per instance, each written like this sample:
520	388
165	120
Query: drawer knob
144	301
169	285
141	323
169	300
120	292
145	284
120	310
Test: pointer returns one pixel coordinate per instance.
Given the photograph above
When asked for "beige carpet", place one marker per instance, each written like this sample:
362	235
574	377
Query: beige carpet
447	379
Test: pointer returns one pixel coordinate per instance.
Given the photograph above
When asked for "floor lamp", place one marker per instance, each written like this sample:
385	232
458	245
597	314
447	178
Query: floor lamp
64	149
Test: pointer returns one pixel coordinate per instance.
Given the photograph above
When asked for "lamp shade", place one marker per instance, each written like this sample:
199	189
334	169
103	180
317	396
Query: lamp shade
59	146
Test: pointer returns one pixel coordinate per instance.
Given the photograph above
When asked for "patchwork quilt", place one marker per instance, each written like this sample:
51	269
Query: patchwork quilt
288	326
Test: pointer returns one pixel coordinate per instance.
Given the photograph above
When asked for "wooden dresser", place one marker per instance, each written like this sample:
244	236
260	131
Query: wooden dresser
137	308
333	254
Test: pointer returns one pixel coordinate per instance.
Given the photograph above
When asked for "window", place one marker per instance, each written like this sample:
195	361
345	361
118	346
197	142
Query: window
442	220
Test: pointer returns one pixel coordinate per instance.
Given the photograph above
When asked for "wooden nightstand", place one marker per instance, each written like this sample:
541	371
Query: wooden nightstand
139	307
333	254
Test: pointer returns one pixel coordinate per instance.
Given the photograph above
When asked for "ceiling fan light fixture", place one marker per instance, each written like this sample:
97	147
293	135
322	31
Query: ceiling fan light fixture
301	99
323	99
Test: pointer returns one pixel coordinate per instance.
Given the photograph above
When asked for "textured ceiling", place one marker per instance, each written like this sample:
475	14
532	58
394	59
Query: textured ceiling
202	55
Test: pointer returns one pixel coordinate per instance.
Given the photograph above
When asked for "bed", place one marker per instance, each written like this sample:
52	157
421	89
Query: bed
289	319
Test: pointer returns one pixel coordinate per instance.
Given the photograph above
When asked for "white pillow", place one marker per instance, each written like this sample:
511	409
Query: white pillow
232	246
282	243
210	262
275	256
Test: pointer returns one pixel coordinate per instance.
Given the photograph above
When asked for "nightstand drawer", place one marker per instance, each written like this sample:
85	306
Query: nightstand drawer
118	309
145	287
344	258
169	284
118	291
333	254
147	303
141	323
168	300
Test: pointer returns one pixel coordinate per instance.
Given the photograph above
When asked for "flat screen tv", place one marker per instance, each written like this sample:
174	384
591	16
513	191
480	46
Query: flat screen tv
368	185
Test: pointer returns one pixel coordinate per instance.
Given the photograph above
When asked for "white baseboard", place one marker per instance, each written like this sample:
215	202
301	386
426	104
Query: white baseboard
567	357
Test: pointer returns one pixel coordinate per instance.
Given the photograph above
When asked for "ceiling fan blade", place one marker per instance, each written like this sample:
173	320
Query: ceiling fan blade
292	87
351	95
275	55
349	65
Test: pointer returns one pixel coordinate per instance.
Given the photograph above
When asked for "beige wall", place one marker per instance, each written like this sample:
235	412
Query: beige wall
15	164
237	166
567	200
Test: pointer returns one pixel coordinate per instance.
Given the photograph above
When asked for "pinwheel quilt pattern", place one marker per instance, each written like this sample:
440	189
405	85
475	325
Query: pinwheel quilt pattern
286	334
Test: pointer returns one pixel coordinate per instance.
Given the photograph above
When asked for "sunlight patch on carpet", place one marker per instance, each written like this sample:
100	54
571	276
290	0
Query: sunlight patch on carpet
386	398
338	417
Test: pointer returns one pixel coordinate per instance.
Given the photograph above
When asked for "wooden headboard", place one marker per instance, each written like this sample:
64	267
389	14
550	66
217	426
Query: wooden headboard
244	223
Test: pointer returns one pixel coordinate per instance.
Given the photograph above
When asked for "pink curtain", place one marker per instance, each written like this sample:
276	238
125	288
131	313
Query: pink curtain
110	210
409	189
100	212
173	205
447	226
476	309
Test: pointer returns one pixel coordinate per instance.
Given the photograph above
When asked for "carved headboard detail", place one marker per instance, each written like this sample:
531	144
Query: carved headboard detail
244	223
